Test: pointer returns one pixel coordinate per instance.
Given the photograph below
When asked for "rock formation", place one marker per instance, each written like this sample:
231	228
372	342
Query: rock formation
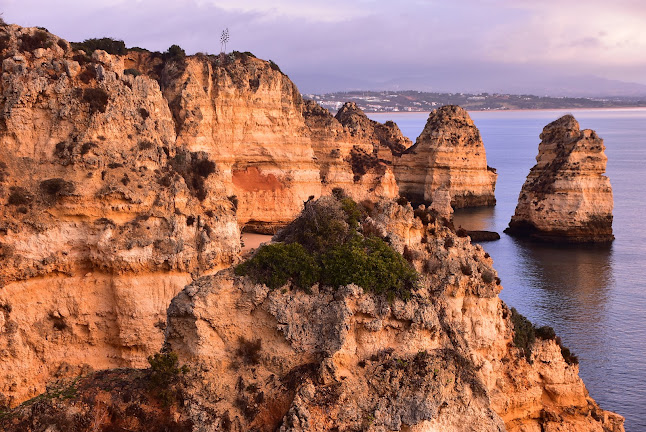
566	197
104	218
354	152
448	155
125	177
347	359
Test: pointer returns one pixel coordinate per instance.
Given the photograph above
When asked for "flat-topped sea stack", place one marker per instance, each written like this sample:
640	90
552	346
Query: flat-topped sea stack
566	198
448	155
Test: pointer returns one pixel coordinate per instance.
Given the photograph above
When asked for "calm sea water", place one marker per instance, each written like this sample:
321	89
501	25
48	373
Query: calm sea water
595	298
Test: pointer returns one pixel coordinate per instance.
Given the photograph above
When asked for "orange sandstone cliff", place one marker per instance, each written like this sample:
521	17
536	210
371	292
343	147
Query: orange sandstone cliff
345	359
448	156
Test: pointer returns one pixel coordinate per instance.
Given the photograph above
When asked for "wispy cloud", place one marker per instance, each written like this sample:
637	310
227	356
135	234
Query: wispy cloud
373	40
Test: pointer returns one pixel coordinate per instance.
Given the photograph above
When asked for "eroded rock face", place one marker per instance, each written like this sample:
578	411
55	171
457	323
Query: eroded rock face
354	152
345	358
294	361
448	155
566	197
104	218
248	118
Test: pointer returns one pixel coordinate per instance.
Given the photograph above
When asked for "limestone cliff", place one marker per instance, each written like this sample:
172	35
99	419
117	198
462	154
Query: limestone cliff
247	117
346	359
125	177
104	216
448	155
566	197
354	152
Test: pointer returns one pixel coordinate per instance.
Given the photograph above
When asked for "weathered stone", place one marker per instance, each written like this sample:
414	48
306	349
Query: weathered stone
448	155
566	197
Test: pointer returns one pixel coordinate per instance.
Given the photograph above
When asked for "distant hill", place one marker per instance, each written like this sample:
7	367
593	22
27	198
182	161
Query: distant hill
466	80
382	101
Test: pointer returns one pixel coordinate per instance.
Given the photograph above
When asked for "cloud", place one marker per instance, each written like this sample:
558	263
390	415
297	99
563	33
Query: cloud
373	40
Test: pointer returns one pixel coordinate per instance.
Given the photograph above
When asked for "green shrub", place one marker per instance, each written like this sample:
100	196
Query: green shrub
276	264
321	226
132	71
109	45
524	333
39	39
546	333
174	53
370	263
323	245
164	373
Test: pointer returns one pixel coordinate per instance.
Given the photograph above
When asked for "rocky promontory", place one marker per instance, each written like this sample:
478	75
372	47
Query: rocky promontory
448	155
442	354
566	197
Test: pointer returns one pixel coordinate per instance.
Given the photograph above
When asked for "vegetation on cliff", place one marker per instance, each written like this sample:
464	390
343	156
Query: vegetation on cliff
526	333
327	245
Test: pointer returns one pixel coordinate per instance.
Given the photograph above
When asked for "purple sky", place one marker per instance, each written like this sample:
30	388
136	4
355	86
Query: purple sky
463	45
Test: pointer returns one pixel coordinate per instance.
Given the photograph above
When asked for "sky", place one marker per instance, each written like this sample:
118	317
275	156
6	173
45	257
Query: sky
519	46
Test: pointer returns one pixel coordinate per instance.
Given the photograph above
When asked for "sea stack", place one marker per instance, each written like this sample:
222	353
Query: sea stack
566	198
448	155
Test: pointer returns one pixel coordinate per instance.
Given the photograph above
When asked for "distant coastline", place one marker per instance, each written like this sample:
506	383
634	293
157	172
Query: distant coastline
416	101
626	108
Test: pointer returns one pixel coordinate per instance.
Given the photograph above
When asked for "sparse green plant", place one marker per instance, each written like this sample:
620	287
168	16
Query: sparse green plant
19	196
224	39
164	373
96	98
276	264
107	44
274	66
38	39
175	53
525	335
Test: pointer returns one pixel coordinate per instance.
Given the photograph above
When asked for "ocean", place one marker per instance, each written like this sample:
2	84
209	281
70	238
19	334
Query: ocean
595	298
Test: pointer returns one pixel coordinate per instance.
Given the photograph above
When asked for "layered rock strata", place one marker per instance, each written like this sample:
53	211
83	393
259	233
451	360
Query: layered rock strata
104	216
125	177
566	197
443	360
347	359
354	152
448	155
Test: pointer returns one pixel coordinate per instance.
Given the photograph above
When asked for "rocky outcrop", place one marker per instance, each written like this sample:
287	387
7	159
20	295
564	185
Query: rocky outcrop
448	155
444	360
247	117
289	360
104	217
125	177
354	152
566	197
